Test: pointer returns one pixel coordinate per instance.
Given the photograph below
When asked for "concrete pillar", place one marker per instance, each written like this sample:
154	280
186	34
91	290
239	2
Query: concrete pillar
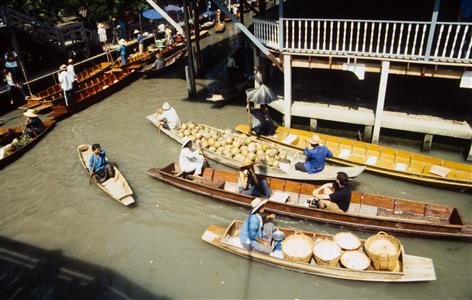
380	101
313	124
257	69
427	142
469	156
287	91
367	133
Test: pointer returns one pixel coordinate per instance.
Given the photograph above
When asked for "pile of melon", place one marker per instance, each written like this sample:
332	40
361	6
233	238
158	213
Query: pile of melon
239	147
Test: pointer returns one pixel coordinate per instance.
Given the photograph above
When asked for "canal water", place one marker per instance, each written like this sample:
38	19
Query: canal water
154	250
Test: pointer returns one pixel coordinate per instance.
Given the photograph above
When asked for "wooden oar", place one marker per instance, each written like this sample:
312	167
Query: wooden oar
91	172
205	157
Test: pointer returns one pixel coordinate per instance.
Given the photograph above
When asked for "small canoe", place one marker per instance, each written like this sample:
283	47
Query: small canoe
116	187
8	159
168	62
368	212
380	159
411	269
284	170
219	27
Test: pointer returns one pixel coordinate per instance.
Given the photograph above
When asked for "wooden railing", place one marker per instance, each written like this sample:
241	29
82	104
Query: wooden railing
450	42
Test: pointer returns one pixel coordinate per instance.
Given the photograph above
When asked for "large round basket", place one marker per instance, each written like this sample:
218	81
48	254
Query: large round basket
327	253
355	260
383	249
347	241
298	247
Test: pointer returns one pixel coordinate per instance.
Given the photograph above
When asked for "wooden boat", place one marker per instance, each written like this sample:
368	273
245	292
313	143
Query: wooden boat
286	170
219	27
15	133
168	62
207	25
97	89
116	187
412	268
381	159
368	212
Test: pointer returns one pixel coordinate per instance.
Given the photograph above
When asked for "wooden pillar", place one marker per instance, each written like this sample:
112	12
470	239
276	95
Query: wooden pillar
380	101
469	156
427	142
257	69
198	54
287	91
191	73
313	124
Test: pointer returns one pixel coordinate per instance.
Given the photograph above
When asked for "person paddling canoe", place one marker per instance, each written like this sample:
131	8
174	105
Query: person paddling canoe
99	166
315	157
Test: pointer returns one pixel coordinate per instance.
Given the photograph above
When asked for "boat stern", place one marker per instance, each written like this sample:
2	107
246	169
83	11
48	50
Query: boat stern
213	234
127	201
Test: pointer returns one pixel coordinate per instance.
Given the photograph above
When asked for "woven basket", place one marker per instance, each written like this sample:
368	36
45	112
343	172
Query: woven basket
320	258
347	241
292	241
383	261
355	260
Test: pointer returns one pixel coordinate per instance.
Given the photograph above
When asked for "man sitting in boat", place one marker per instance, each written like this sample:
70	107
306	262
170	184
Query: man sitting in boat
315	157
261	121
334	196
250	184
159	63
34	125
99	166
190	160
168	117
254	233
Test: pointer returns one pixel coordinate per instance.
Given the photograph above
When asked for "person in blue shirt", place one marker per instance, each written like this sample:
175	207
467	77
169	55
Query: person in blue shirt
315	157
98	164
254	234
122	50
140	39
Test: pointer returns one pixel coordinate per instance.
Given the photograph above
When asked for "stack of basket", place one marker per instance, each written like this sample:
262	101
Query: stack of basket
353	257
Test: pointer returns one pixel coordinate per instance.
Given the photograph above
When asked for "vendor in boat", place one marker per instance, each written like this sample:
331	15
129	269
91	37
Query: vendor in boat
190	160
99	166
159	63
254	233
168	117
250	184
261	121
34	125
122	50
315	157
334	196
140	40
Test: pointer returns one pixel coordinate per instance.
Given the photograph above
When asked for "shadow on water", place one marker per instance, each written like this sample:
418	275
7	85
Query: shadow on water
29	272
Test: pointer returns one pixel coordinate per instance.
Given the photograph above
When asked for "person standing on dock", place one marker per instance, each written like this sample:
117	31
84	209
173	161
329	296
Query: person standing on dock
140	39
66	85
11	63
71	72
102	37
12	85
315	157
122	50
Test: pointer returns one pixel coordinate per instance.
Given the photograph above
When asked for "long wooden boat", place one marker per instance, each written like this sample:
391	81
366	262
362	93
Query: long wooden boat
116	187
283	170
168	62
98	89
368	212
6	160
380	159
219	27
412	268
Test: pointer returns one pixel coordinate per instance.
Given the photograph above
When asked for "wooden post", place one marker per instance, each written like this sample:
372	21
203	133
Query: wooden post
198	54
16	48
287	91
257	69
380	101
427	142
188	42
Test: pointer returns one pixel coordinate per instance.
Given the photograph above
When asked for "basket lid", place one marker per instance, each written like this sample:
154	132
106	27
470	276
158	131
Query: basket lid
326	250
347	241
355	260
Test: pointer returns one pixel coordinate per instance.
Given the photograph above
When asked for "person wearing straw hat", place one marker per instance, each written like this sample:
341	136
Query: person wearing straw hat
71	72
250	184
66	85
334	196
34	125
190	160
254	233
122	50
315	157
168	117
140	39
102	37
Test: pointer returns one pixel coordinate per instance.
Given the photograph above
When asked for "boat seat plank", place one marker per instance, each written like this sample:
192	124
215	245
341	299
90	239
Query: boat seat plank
368	210
231	187
377	200
402	206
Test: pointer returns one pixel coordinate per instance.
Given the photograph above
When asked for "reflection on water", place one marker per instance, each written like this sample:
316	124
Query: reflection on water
46	201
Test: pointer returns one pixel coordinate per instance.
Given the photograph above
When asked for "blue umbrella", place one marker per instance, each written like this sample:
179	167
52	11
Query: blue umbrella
172	7
152	14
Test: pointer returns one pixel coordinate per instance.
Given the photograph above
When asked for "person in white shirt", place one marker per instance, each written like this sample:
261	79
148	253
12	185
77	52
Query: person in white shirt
71	71
11	86
102	37
11	64
168	118
190	161
66	85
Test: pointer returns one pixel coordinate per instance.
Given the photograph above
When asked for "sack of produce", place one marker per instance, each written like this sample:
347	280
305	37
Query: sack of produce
327	253
383	249
347	241
298	247
355	260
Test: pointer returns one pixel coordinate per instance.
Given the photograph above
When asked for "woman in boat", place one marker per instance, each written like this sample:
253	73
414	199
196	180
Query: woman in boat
34	125
254	233
250	184
190	160
334	196
315	157
168	117
99	166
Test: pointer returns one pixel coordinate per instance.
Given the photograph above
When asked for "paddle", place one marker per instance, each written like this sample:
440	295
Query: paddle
91	172
205	157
